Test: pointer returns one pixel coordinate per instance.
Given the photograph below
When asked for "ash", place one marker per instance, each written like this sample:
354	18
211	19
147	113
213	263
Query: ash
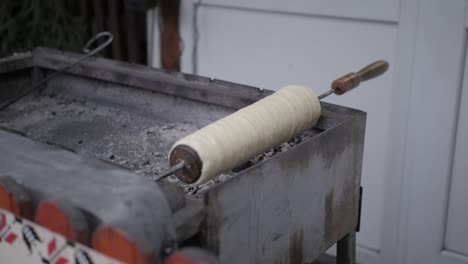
127	138
124	137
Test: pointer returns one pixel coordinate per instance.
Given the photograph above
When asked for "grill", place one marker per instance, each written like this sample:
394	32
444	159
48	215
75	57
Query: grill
103	129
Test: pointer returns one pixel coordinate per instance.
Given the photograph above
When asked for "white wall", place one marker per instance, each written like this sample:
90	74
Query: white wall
407	152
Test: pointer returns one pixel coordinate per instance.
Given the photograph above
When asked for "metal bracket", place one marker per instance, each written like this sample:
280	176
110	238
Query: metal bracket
358	226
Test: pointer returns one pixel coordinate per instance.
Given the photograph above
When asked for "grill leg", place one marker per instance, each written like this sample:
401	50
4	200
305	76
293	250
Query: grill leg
346	249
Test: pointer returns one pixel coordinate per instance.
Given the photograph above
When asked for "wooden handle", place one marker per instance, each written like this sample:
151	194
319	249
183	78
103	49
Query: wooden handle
352	80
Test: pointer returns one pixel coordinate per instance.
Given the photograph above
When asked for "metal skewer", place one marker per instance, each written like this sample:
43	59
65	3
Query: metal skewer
89	53
325	94
170	171
338	87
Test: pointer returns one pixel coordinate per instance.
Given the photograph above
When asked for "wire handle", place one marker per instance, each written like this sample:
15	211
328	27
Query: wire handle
99	35
89	53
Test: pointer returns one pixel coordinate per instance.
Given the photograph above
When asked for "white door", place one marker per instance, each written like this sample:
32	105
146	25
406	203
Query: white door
436	169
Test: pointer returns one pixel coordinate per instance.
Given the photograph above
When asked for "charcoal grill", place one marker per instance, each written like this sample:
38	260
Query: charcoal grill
288	205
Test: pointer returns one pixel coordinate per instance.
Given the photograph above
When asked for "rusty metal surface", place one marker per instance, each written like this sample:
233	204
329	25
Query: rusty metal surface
203	89
286	206
294	206
171	41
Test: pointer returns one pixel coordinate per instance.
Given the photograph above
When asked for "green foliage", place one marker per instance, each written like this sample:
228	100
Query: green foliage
25	24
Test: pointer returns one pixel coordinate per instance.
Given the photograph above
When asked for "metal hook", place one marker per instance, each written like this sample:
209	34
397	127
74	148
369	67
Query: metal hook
85	50
94	39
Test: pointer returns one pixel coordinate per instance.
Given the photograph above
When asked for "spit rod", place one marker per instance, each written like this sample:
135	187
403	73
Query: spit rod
338	87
